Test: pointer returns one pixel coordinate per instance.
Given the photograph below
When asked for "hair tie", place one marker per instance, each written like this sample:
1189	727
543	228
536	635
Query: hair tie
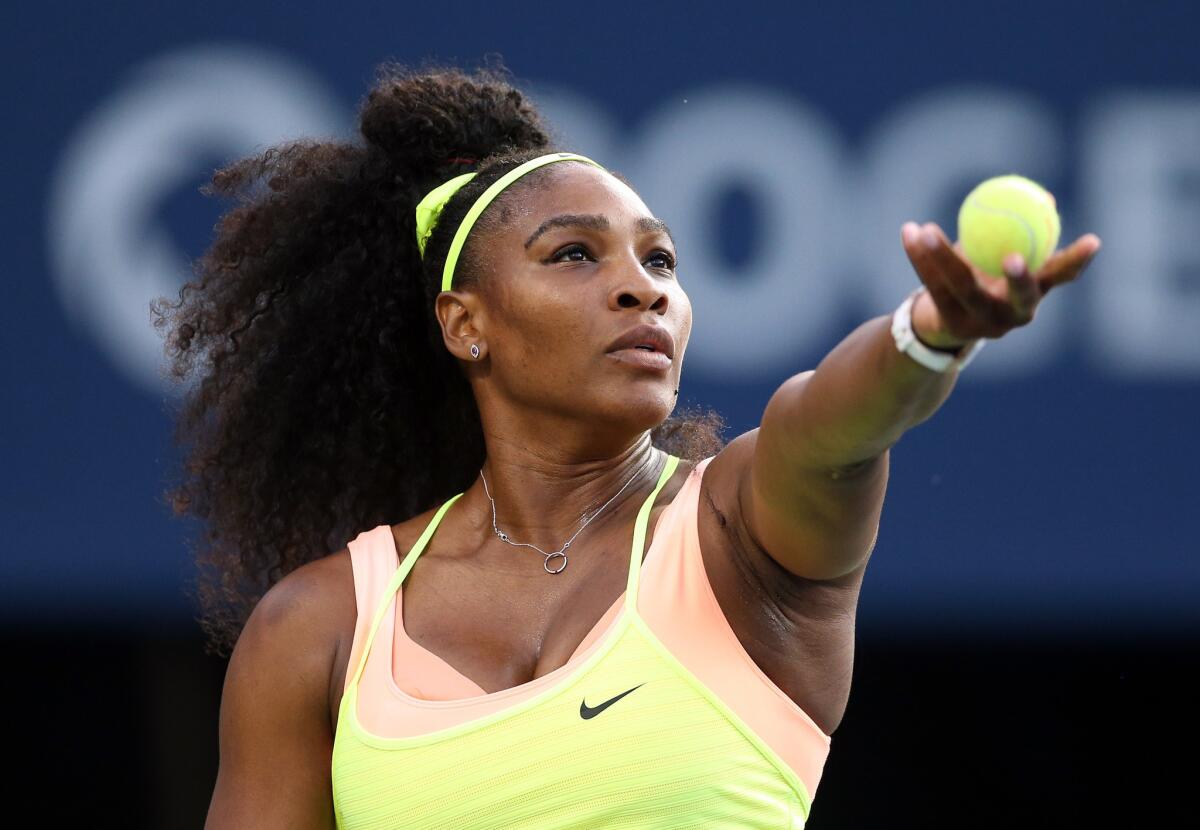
460	160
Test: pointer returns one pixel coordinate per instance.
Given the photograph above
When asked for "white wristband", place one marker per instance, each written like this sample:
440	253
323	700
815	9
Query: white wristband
907	342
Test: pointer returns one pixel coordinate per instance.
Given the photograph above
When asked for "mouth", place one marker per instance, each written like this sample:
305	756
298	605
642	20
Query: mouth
646	337
643	358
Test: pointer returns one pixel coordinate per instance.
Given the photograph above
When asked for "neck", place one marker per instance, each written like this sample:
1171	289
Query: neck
543	499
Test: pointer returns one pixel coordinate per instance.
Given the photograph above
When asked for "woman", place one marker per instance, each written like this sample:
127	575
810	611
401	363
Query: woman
458	348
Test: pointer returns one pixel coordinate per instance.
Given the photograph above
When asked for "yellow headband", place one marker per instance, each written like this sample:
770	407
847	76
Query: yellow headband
430	208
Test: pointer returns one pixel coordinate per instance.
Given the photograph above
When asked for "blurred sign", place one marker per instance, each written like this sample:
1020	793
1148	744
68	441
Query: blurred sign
1050	490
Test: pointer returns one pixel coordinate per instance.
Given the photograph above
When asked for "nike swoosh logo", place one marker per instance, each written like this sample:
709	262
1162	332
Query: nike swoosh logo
586	711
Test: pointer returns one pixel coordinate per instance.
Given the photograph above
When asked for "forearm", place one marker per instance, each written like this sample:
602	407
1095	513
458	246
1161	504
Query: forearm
860	399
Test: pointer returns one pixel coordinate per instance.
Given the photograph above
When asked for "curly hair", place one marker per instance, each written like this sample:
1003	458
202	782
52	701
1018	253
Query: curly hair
325	400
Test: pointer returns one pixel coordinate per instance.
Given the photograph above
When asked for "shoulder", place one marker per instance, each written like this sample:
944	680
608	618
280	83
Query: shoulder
731	557
721	495
302	625
309	600
720	482
275	730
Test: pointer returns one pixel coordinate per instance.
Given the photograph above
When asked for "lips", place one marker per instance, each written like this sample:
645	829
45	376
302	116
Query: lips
656	337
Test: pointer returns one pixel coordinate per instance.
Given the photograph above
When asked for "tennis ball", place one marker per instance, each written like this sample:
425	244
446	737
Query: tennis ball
1004	215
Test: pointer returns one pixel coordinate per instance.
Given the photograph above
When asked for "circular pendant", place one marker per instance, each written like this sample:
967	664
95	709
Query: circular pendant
560	568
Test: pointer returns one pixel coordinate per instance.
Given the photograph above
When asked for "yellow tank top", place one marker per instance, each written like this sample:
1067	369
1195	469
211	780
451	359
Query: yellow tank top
629	739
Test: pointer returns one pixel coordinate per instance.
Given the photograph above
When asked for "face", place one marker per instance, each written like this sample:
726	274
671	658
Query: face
570	264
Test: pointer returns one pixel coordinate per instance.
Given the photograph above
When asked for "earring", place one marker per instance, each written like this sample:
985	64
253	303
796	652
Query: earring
474	351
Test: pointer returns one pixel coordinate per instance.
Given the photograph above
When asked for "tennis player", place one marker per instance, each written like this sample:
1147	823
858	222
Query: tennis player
455	349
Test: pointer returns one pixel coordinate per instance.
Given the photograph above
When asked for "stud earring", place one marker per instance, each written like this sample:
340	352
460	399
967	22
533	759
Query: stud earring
474	351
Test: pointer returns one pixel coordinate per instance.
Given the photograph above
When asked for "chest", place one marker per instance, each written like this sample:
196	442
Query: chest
512	622
508	622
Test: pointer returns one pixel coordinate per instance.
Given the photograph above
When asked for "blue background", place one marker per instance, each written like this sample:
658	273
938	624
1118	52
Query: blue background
1052	493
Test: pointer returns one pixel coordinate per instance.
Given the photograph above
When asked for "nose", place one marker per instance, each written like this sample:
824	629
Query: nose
637	288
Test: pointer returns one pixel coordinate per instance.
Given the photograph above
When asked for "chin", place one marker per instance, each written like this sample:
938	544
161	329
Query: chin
648	408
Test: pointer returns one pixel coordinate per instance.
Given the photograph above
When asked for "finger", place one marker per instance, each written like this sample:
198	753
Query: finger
1023	294
960	279
947	302
924	266
1067	264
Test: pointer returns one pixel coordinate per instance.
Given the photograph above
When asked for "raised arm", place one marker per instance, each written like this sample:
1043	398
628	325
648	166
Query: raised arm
812	494
276	739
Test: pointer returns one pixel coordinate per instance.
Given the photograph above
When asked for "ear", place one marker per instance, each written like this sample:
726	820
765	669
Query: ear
461	316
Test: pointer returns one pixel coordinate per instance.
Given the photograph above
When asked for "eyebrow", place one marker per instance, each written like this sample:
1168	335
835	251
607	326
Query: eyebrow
596	222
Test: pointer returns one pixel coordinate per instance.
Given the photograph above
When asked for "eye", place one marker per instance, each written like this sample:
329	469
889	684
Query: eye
667	260
570	249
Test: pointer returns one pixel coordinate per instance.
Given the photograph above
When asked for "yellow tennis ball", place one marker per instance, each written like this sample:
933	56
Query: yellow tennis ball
1008	214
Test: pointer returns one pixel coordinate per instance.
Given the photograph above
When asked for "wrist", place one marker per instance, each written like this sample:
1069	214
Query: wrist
924	312
938	360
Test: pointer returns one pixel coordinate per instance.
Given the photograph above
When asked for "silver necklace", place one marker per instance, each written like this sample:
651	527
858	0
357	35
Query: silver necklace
561	551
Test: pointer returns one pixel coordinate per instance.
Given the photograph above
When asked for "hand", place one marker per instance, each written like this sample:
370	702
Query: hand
962	303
